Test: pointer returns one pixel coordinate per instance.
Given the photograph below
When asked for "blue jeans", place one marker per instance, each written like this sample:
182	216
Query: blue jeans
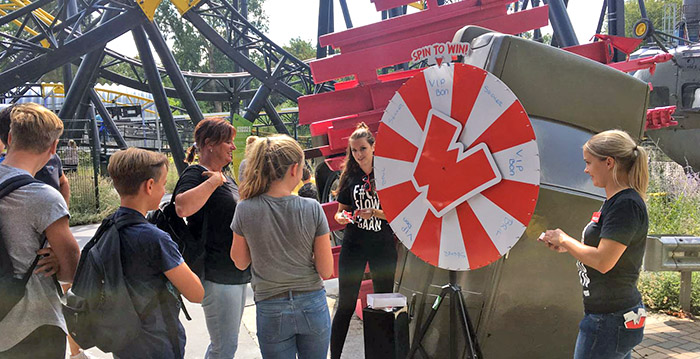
604	336
299	324
223	306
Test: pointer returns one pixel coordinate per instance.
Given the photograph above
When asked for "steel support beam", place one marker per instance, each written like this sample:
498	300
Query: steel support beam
346	14
171	67
71	9
559	17
161	101
23	11
257	103
84	78
107	119
210	34
261	96
72	50
275	118
325	26
616	23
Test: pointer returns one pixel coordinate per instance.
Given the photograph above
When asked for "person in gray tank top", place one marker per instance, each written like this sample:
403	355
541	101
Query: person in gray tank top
285	239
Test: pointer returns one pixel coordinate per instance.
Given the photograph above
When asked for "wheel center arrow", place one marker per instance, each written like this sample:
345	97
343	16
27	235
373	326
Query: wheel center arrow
444	171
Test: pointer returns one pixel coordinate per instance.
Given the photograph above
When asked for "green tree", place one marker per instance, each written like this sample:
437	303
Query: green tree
193	52
301	49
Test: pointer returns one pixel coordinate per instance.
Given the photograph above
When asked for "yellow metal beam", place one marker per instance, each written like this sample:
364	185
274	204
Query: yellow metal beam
420	5
184	6
149	7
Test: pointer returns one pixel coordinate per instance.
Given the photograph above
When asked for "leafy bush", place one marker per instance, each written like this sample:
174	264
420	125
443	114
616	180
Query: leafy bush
674	208
661	291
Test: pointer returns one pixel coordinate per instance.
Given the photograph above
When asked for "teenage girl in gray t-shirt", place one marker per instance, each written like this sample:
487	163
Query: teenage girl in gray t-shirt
285	239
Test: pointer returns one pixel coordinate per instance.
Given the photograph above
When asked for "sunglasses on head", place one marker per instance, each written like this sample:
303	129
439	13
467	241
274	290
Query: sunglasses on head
368	183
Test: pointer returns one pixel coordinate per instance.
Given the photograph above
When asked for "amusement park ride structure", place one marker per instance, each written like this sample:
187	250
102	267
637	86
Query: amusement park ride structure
517	301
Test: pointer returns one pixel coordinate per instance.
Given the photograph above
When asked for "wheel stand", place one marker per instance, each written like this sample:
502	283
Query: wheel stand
457	304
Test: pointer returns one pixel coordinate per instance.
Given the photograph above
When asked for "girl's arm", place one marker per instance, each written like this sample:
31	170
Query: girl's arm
323	257
602	258
186	282
189	202
240	253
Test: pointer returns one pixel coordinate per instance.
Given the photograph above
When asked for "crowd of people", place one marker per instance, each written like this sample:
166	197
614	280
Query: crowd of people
258	232
244	228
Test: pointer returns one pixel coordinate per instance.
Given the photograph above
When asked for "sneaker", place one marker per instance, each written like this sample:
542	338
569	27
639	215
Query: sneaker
81	355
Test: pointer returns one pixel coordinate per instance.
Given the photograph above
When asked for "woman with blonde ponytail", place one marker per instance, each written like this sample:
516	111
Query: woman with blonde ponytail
285	240
611	251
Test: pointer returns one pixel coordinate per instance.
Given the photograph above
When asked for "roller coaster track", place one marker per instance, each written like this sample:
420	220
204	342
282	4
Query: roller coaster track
281	72
60	36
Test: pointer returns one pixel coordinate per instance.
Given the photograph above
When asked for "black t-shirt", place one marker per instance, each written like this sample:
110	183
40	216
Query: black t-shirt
218	210
353	194
623	218
51	173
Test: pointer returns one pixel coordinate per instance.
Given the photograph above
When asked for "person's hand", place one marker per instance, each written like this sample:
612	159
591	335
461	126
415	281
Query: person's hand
215	177
48	265
341	219
554	238
364	213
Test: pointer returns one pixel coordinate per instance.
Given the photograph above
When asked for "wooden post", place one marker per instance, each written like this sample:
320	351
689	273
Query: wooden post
686	287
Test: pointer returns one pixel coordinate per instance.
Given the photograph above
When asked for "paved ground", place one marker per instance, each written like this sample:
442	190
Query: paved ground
665	336
198	338
669	337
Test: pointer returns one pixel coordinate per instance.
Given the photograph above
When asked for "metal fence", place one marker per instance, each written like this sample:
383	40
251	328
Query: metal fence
81	163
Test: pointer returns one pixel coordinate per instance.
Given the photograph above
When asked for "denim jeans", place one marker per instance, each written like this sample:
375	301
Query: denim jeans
223	306
299	324
604	336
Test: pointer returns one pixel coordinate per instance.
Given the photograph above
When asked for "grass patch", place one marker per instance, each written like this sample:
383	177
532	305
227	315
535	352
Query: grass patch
83	209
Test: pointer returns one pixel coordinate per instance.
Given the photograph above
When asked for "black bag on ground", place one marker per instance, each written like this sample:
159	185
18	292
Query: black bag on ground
12	288
98	308
191	248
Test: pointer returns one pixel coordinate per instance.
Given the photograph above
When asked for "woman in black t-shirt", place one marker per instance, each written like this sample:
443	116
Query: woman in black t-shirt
367	237
208	198
610	256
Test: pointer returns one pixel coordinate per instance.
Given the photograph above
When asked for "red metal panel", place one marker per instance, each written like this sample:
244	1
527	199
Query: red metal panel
600	51
430	20
324	106
363	63
329	209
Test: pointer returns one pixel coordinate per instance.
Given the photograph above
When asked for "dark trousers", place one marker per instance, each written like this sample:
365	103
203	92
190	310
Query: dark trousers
46	342
354	255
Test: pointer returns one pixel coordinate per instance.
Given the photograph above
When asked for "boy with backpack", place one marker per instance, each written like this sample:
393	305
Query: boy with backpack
151	262
31	216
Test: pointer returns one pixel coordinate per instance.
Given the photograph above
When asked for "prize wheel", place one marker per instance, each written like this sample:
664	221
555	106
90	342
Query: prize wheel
457	167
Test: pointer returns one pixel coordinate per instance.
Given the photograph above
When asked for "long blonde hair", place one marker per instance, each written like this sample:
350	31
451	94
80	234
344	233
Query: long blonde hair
629	157
269	160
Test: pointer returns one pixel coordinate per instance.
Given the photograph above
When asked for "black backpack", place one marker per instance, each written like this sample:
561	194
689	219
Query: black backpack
167	220
12	288
98	308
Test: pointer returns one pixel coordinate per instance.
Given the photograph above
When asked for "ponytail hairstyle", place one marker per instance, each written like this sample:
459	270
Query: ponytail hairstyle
629	158
210	131
350	166
269	159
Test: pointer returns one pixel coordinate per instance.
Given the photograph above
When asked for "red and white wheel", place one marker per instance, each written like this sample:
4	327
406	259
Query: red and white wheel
457	167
